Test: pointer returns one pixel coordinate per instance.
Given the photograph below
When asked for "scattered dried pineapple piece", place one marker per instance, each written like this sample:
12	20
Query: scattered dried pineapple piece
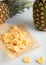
27	59
40	60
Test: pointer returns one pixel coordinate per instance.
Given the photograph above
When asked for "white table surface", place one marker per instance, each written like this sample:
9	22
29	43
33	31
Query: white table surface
26	19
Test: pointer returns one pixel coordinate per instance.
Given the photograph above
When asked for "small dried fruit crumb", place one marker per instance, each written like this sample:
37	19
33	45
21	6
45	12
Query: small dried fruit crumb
27	59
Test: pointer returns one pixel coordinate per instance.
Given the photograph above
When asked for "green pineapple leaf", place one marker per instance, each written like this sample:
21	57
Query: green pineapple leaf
16	6
29	5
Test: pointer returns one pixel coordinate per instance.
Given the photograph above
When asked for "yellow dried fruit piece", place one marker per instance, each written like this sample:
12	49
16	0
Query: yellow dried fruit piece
22	46
10	36
16	49
7	41
14	29
4	36
27	59
40	60
9	46
24	42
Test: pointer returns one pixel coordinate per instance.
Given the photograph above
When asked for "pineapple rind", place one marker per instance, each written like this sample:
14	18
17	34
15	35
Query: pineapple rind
39	15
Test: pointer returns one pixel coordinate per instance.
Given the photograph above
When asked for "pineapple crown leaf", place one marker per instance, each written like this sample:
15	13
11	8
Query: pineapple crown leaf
16	6
28	5
18	2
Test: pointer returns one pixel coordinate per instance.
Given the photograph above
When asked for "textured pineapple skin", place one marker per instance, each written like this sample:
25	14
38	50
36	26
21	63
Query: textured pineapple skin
4	12
39	15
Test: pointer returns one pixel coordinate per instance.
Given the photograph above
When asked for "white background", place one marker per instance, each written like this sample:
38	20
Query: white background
27	19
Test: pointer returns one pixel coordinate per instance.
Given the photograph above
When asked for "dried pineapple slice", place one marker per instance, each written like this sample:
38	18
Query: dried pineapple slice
16	49
40	60
27	59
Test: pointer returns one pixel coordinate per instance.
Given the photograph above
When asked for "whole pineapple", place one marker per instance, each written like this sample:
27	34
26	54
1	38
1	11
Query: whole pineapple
39	14
4	12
